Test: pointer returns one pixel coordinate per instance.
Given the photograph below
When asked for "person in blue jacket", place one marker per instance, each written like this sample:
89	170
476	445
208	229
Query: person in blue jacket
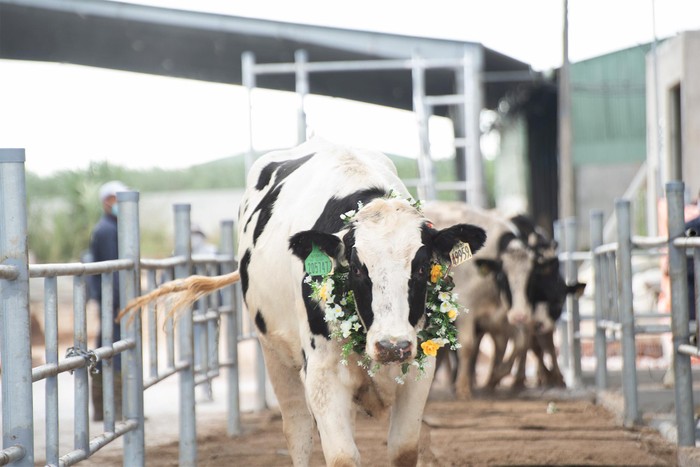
104	247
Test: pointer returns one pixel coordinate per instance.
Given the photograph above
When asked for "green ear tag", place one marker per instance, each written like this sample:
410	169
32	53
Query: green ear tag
317	263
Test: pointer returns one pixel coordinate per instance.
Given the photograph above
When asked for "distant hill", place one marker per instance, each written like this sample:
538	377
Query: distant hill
225	173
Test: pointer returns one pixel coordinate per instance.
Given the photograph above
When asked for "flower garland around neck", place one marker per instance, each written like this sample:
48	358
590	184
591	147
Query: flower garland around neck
346	327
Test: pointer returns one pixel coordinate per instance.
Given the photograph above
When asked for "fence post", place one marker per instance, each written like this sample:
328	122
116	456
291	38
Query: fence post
563	322
132	360
15	331
677	267
229	302
601	345
624	285
574	323
188	418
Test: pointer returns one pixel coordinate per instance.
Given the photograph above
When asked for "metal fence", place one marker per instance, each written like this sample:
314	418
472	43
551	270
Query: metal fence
214	324
614	315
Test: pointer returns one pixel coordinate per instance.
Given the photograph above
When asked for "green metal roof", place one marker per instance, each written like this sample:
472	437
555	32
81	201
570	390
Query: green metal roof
608	107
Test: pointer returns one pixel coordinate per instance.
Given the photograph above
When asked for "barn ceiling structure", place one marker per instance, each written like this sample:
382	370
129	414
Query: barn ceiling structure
209	47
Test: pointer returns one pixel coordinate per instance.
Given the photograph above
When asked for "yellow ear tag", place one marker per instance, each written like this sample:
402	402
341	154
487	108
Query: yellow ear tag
460	253
317	263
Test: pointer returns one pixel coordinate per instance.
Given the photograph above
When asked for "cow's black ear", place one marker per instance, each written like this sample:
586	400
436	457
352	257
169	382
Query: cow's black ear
576	289
301	244
445	239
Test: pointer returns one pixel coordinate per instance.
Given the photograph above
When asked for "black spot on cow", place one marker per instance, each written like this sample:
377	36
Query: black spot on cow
314	314
303	359
265	207
260	323
417	284
361	285
282	169
330	222
313	343
243	270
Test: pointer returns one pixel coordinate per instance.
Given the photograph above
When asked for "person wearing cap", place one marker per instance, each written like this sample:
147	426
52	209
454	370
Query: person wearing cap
104	247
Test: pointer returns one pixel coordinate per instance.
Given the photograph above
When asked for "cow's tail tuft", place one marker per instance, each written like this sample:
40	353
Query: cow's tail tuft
184	292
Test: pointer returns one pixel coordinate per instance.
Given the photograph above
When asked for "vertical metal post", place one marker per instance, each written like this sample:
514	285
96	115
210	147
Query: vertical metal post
302	89
132	360
624	285
15	335
248	81
600	343
107	323
426	189
472	90
229	302
80	376
574	323
51	353
188	419
563	323
677	265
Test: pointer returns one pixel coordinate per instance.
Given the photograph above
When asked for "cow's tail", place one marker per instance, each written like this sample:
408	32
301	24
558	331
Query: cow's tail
184	292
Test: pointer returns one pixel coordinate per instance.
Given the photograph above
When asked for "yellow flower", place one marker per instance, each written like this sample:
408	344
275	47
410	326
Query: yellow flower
430	347
323	293
452	314
435	273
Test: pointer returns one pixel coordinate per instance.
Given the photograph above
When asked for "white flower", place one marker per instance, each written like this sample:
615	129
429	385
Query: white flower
345	327
445	307
333	312
400	379
444	296
307	280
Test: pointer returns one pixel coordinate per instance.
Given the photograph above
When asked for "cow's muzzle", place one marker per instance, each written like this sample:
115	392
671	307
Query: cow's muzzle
392	351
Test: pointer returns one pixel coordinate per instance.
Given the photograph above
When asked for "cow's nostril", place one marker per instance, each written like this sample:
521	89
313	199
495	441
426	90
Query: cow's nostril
389	351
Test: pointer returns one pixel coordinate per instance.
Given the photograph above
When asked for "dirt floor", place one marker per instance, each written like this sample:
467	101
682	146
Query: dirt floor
493	430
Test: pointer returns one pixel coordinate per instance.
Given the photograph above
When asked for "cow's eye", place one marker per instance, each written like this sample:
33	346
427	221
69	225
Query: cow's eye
421	271
357	270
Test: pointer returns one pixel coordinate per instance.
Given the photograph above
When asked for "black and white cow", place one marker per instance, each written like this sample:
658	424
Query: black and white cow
493	287
547	292
294	199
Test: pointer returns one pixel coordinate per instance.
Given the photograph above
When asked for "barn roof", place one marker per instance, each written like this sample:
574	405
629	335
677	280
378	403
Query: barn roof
208	47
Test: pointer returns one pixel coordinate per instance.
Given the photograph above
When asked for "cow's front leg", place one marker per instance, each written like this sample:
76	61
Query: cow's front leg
329	395
465	358
521	344
498	368
407	417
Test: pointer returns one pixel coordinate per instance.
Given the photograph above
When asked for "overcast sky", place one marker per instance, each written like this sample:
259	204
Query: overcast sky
66	116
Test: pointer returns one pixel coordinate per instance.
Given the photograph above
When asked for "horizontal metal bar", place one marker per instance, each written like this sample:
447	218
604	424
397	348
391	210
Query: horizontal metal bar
9	273
649	242
356	65
168	372
98	442
605	248
11	454
691	350
687	242
72	363
212	258
79	269
447	99
148	263
199	318
200	378
575	256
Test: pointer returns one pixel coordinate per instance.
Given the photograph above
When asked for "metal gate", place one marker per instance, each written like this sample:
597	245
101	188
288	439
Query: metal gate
215	321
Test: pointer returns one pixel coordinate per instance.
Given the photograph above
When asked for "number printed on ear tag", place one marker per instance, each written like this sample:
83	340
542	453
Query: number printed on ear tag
317	263
460	253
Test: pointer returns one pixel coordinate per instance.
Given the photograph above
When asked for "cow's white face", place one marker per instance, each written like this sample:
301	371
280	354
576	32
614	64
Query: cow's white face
389	266
517	264
388	249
